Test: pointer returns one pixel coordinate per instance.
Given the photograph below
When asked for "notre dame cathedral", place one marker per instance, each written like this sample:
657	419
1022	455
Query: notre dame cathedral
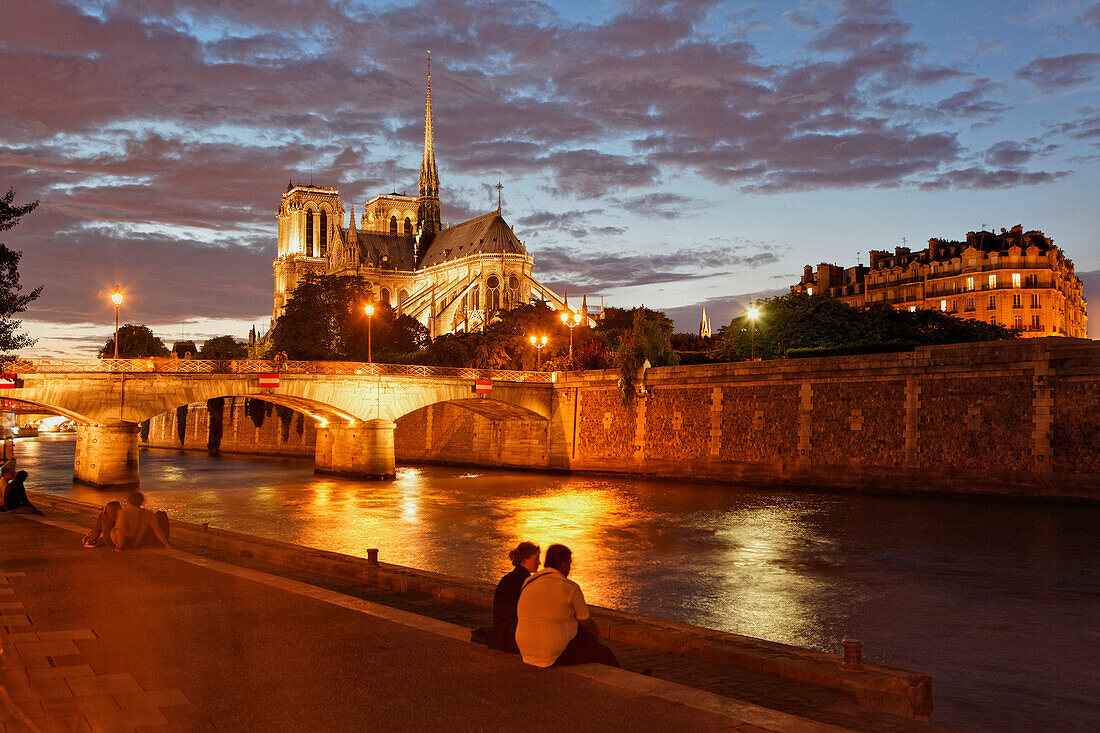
450	278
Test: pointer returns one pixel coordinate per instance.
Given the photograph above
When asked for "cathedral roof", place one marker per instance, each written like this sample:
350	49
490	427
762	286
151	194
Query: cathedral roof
485	234
387	251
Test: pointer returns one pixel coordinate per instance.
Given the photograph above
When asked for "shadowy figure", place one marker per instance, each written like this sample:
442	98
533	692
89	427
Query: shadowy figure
525	558
133	524
15	494
554	626
100	536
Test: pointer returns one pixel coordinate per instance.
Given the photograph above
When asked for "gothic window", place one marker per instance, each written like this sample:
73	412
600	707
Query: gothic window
408	225
309	234
393	225
402	297
324	233
474	297
492	294
385	296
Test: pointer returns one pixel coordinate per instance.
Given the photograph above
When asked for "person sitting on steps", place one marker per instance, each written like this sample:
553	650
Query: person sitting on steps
100	536
525	558
15	493
133	524
554	626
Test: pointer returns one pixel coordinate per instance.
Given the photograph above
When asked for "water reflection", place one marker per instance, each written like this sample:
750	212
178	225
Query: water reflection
951	587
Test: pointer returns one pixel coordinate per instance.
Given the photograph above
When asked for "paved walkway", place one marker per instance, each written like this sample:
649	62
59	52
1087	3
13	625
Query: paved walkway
167	640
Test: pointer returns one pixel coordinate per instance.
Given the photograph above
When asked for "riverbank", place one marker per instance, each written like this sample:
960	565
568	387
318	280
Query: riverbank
161	583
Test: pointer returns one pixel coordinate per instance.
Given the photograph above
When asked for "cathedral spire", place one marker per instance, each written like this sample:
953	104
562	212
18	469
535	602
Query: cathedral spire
427	202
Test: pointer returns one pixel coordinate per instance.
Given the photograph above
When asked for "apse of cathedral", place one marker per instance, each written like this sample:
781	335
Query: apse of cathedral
450	278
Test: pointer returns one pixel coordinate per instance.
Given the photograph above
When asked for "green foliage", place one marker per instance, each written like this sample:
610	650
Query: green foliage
647	340
798	321
181	423
216	409
325	321
11	299
223	347
134	342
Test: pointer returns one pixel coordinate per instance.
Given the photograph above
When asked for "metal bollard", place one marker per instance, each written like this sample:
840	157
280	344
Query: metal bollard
372	557
853	655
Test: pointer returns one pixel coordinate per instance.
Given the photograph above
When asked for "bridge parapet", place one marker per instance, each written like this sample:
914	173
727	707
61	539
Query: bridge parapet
258	366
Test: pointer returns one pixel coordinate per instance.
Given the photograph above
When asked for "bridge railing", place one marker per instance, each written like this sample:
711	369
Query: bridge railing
260	366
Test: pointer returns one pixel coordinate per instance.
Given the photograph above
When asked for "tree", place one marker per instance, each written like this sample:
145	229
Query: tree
647	340
325	320
798	321
134	342
11	301
223	347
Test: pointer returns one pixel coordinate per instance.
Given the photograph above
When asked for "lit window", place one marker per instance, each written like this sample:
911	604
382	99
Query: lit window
912	309
1015	279
943	305
969	283
992	282
809	291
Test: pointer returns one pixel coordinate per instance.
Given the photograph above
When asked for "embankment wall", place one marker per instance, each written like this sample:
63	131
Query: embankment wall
1018	418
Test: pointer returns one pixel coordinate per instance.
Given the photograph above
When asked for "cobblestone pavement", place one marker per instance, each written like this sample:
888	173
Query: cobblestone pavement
829	707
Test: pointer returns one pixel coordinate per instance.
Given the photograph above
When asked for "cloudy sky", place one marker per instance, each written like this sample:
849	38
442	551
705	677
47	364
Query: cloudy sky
671	153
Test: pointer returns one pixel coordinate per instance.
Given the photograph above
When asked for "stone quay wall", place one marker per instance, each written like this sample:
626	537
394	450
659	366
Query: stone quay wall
1017	418
1012	418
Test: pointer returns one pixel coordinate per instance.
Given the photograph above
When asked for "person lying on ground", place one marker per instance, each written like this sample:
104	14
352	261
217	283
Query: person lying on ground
134	522
15	494
100	536
554	627
525	558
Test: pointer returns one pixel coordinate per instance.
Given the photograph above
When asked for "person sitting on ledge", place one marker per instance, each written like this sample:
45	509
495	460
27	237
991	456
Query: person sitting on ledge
525	558
133	524
15	494
100	536
554	627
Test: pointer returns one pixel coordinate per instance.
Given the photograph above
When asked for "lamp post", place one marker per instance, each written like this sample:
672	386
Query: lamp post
538	343
572	320
754	313
116	298
369	310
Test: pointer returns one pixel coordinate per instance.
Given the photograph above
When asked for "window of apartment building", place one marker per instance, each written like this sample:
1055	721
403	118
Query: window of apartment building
1015	279
970	304
1035	325
993	320
992	302
943	305
1018	323
809	291
969	283
1034	300
1017	301
992	282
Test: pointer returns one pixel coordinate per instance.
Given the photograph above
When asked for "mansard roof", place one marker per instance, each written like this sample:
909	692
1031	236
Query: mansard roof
485	234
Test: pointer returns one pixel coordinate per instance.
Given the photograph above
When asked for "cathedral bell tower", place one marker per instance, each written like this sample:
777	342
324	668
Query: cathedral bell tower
427	202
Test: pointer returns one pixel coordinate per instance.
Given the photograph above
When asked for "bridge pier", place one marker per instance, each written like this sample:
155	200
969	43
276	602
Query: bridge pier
364	449
107	455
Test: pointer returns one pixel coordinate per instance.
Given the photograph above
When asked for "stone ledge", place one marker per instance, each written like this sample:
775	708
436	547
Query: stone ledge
878	687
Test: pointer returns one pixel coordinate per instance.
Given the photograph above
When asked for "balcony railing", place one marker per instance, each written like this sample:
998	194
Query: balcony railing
258	366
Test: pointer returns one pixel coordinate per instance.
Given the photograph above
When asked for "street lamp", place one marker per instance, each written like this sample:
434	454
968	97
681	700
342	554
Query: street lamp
538	343
754	313
572	320
116	298
369	310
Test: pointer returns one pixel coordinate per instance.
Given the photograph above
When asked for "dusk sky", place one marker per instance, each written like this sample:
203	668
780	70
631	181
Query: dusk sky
667	153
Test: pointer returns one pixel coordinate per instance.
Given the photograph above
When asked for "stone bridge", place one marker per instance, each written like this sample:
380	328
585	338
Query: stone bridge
354	404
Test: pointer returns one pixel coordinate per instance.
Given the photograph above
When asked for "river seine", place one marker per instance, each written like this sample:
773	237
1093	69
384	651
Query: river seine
998	600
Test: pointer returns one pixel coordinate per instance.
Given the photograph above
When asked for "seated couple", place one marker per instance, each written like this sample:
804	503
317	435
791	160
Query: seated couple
542	614
127	527
14	492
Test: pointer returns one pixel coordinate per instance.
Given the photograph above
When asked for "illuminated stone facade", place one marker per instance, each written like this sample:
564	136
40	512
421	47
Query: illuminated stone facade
450	278
1017	279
